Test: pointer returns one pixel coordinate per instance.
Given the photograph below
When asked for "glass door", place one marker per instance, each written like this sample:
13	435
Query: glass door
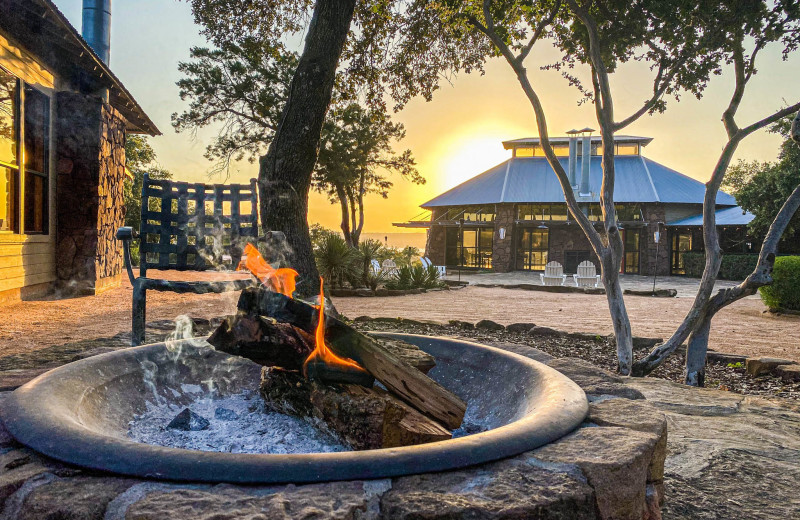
681	243
630	264
533	246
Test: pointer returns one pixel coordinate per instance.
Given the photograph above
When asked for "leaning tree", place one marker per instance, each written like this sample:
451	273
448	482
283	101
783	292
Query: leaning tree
241	87
392	47
684	45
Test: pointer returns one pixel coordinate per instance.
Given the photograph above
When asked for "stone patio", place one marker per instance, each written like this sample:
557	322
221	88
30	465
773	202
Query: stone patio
686	287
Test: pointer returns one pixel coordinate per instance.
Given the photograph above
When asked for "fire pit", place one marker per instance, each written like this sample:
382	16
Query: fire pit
80	413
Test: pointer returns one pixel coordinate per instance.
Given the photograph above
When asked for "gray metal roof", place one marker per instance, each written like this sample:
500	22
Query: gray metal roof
734	216
521	180
644	141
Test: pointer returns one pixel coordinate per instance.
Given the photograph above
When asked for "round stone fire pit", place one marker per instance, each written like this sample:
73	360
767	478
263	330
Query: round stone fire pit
80	413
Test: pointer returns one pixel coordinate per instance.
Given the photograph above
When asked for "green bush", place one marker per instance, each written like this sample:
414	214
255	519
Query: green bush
733	267
336	260
415	277
784	293
135	252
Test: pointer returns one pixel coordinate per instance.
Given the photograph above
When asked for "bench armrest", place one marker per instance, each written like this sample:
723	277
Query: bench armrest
126	234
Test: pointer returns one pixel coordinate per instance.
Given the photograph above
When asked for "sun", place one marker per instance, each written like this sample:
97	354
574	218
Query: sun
467	157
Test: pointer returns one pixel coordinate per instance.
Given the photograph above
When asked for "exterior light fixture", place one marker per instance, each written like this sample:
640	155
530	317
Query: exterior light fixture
657	240
502	232
542	226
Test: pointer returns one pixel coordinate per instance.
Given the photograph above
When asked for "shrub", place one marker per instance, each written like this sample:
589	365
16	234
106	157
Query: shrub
415	277
733	267
135	252
784	293
336	260
368	251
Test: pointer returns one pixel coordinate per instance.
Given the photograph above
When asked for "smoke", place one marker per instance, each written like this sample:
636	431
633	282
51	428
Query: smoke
149	374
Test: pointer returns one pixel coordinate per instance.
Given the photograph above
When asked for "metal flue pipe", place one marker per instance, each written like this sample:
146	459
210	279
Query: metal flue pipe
96	29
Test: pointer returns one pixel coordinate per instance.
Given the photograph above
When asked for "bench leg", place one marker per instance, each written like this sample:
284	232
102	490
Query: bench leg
139	309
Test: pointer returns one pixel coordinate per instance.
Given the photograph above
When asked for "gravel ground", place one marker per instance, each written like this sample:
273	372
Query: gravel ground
742	328
34	333
601	351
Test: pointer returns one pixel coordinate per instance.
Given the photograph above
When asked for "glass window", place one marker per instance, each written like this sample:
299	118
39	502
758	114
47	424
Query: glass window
9	168
37	149
619	149
478	214
32	122
542	212
628	212
626	149
524	151
9	195
8	117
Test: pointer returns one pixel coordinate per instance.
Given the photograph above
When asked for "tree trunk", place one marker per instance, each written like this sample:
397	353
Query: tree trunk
695	374
285	171
340	193
355	231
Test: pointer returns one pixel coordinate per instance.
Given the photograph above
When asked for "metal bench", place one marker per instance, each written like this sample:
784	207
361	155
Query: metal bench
189	227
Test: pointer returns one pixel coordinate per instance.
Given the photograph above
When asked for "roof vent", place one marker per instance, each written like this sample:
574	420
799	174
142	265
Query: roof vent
586	161
573	157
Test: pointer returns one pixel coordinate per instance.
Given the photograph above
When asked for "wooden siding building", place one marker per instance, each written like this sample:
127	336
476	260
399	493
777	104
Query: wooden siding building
64	118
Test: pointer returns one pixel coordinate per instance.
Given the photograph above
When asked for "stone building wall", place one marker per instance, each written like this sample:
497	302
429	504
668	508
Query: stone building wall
90	151
567	238
435	246
503	249
653	215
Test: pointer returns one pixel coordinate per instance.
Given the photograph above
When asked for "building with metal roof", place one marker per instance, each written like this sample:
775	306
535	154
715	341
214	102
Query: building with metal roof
513	216
64	118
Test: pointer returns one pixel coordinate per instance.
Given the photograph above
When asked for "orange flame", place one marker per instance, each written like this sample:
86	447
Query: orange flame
322	353
279	280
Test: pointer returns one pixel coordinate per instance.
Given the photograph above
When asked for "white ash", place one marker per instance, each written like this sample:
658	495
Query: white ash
238	424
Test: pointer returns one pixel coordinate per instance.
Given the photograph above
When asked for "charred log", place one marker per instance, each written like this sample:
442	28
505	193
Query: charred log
365	418
263	340
412	386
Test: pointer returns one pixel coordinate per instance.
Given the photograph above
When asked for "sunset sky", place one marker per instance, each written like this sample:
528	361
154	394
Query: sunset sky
458	135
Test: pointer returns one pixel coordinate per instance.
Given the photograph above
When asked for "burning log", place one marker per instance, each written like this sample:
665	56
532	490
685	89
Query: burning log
365	418
411	386
263	340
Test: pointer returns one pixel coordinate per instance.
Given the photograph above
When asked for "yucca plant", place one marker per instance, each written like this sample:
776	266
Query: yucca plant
336	260
402	279
368	251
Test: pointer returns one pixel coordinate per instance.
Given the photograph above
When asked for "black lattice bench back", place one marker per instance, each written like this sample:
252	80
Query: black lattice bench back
189	227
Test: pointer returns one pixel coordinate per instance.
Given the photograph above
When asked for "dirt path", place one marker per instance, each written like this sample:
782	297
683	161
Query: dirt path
742	328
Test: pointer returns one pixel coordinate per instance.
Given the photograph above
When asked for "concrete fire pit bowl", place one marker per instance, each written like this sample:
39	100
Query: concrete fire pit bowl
79	414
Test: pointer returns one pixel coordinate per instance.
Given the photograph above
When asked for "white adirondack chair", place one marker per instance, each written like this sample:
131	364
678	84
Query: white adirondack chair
587	275
426	262
553	274
389	266
376	267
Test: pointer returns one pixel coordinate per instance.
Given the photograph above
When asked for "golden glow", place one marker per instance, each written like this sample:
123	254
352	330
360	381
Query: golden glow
465	158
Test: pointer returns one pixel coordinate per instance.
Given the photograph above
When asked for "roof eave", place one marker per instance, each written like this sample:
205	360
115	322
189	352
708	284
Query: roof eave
85	59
